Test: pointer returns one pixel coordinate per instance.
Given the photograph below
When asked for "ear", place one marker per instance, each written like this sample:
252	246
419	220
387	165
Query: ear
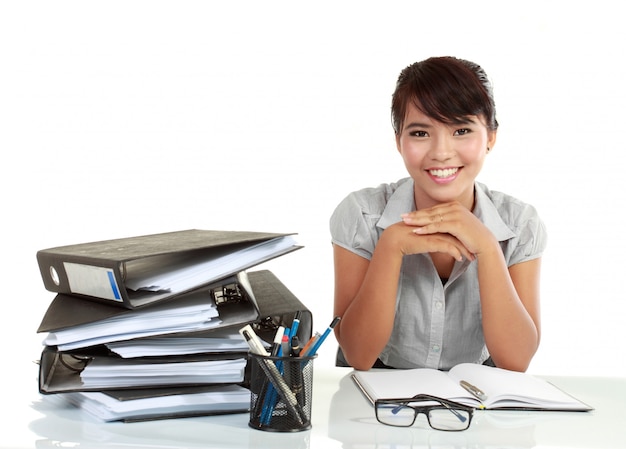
398	143
491	140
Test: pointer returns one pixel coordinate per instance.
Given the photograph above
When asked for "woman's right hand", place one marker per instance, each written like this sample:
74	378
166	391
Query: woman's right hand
402	236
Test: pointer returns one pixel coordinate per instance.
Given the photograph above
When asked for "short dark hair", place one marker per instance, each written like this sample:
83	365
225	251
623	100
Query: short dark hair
447	89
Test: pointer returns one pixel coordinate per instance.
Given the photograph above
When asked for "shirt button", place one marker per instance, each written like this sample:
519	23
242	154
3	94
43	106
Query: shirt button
435	348
438	305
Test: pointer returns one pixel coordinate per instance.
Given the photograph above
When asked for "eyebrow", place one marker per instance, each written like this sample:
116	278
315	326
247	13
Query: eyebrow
470	119
417	125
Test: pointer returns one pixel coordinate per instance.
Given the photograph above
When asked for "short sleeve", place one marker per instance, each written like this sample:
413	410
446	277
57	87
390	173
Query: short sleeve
531	237
353	226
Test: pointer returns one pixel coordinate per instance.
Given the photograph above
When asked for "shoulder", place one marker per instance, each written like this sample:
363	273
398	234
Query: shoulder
526	237
511	209
354	222
370	200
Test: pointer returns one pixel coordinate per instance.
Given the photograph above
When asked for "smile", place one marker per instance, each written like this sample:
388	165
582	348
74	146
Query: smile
443	173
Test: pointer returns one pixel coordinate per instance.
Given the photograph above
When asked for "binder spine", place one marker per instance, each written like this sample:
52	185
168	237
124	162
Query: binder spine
82	278
93	281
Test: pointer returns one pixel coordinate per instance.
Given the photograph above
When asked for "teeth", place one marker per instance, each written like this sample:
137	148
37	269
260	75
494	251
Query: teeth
443	173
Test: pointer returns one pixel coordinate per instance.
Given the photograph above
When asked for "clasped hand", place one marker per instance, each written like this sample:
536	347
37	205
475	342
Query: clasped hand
446	228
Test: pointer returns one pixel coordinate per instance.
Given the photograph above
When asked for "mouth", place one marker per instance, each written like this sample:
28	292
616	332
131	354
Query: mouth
443	173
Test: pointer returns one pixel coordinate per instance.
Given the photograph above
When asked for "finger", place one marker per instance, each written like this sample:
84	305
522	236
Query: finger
457	251
444	229
433	222
431	216
432	228
444	220
445	243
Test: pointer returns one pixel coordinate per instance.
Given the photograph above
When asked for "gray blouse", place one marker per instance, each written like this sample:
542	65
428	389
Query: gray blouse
437	325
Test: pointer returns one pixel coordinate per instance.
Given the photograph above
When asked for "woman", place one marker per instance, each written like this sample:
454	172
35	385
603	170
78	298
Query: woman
436	269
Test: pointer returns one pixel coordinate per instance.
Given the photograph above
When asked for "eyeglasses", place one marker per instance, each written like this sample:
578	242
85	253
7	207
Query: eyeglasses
442	414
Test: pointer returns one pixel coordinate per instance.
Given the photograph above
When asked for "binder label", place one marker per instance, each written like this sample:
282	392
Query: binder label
92	281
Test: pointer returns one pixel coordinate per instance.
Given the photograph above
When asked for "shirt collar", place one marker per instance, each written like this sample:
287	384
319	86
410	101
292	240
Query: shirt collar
487	212
402	200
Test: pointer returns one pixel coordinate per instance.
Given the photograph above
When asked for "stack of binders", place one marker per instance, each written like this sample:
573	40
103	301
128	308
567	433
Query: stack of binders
147	327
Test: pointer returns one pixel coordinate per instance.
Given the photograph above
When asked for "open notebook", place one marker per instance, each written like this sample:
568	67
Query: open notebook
485	387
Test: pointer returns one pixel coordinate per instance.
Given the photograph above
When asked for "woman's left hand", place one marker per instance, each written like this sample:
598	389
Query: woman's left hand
454	219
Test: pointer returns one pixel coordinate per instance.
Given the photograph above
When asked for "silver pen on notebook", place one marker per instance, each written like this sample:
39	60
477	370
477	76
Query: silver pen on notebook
474	391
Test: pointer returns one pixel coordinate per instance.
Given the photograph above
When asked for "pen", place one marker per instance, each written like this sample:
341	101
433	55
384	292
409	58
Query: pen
253	340
296	371
295	346
256	348
271	395
473	390
278	338
286	350
309	343
295	324
288	335
287	366
312	350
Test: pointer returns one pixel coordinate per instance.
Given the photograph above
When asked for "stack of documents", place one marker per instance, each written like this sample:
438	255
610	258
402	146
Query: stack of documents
217	341
128	406
147	327
194	312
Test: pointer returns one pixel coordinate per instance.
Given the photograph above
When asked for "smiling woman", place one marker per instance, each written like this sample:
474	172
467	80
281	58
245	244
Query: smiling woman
436	269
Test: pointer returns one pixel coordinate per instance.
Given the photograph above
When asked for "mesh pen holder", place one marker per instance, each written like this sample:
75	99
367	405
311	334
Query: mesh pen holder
281	393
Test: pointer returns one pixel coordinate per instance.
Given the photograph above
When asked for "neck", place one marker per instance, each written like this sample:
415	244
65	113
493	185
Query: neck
422	201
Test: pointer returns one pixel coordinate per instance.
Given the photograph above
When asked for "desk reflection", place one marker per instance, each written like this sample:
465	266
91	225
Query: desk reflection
59	427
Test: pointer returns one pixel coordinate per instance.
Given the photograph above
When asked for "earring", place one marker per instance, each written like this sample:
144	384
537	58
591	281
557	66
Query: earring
488	149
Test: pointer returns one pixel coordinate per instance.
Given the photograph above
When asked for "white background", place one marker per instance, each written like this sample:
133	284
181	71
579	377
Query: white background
125	118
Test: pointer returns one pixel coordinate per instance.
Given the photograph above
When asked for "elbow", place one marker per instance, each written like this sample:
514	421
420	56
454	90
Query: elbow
360	362
361	351
515	356
361	366
519	366
518	361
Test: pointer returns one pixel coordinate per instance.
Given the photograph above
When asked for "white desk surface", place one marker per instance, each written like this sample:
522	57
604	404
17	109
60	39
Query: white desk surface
342	418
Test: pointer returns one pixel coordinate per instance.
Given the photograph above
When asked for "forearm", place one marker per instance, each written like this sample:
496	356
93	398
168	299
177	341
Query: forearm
367	322
511	332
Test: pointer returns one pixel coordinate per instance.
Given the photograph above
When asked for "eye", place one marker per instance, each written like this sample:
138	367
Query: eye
419	134
462	131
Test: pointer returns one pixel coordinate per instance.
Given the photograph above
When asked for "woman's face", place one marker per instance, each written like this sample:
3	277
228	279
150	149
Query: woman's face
443	159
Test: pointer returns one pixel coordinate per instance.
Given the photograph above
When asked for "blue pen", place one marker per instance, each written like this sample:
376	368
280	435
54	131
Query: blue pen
313	349
287	333
271	395
295	324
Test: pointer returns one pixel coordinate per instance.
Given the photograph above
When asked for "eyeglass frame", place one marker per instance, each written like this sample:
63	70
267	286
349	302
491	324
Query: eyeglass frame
443	404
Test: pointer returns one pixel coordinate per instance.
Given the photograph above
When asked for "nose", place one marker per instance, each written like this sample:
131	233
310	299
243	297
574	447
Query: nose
442	149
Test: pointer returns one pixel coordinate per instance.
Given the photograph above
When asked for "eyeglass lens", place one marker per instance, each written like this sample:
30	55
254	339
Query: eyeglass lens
448	419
